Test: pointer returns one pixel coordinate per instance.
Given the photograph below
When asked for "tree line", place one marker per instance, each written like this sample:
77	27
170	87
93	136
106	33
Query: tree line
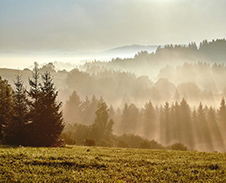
200	128
144	63
172	84
30	117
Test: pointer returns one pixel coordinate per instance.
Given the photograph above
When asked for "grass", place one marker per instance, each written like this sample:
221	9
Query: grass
97	164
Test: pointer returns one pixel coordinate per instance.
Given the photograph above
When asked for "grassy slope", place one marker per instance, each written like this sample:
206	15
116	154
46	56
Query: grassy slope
109	165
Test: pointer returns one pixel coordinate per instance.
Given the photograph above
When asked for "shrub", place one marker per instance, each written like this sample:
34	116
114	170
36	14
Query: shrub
145	144
68	139
178	146
89	142
104	143
123	144
155	145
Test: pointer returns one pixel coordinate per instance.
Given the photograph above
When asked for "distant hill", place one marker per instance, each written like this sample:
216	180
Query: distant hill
129	50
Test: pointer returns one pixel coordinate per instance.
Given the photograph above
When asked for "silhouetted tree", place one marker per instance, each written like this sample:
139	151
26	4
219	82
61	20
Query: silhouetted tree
222	114
175	125
34	106
186	124
130	115
50	123
166	123
102	127
48	68
6	106
215	130
17	129
73	111
206	139
45	115
149	125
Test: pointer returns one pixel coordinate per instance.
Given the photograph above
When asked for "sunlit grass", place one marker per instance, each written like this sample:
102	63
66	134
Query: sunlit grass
109	165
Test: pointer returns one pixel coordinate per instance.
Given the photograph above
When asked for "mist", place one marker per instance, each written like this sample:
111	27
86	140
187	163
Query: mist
145	70
167	95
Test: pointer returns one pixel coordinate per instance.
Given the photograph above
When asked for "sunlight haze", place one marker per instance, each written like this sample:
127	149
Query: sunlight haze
95	26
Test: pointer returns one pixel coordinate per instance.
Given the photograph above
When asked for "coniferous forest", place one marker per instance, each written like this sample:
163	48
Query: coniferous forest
30	117
104	106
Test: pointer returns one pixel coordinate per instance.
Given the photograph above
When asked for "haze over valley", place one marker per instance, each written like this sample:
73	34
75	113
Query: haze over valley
150	72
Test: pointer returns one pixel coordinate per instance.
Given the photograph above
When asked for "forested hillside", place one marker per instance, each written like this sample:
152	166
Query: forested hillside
179	102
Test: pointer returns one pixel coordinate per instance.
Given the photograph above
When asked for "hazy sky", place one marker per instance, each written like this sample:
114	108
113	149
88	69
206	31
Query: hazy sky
96	25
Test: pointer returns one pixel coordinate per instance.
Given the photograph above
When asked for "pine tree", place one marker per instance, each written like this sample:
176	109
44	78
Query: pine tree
50	123
186	124
175	126
149	120
130	115
215	130
88	110
34	106
73	111
6	106
102	127
46	121
85	111
34	88
17	130
166	124
204	129
222	114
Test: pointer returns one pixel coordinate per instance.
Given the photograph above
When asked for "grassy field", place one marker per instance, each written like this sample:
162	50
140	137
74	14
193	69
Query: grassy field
96	164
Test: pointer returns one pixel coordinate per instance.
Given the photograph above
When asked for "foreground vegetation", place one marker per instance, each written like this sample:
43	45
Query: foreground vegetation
96	164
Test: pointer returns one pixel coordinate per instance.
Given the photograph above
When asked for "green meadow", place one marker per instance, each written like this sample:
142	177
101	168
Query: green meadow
98	164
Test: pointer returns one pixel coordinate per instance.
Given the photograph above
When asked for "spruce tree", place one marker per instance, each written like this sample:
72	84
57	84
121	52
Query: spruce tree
149	120
50	123
34	106
186	124
166	124
204	129
130	116
46	121
222	114
102	127
73	109
217	138
17	130
6	106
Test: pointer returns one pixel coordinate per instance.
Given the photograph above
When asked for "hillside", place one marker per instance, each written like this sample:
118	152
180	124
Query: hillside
149	63
129	50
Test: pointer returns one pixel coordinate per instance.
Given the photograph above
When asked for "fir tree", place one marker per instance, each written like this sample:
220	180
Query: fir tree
6	106
222	114
73	111
149	120
102	127
17	130
46	121
34	106
50	123
186	124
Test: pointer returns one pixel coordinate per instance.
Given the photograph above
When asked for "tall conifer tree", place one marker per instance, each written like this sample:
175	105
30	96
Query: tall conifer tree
6	106
17	130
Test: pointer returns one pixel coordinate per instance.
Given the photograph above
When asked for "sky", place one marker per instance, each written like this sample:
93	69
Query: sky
58	29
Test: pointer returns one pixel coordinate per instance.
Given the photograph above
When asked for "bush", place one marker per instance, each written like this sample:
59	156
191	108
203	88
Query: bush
178	146
145	144
155	145
134	141
123	144
104	143
68	139
89	142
